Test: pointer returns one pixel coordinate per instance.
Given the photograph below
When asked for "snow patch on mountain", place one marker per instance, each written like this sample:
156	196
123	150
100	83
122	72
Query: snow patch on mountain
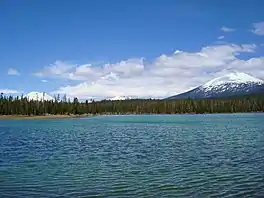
120	98
237	77
230	81
38	96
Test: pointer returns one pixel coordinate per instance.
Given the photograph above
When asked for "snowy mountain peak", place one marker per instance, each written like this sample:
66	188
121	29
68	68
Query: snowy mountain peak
38	96
236	77
233	84
120	98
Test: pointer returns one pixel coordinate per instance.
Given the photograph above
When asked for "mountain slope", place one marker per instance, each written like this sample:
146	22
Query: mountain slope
233	84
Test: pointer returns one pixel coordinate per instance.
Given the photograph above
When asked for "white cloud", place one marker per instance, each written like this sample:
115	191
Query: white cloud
9	91
88	72
166	75
44	81
220	37
13	72
59	68
258	28
226	29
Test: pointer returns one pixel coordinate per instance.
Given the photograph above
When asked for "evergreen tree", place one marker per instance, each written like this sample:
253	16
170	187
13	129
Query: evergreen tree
23	106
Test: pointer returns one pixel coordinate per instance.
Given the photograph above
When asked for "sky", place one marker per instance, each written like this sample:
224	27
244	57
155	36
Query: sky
145	49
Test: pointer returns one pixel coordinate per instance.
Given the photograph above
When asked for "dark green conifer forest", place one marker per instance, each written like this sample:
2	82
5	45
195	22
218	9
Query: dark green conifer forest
22	106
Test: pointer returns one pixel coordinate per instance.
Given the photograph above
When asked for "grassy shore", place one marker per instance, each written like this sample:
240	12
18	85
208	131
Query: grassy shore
14	117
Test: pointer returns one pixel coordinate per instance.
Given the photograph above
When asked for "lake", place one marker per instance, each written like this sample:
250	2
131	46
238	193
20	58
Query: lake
220	155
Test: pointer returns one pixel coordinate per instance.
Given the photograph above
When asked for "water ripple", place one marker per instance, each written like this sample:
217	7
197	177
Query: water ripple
134	156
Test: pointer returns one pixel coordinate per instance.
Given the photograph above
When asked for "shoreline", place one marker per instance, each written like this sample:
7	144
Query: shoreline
41	117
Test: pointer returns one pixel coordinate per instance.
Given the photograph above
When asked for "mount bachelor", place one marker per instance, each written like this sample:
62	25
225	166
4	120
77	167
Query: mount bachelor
233	84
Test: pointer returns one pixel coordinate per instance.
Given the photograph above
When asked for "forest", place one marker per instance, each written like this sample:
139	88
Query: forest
22	106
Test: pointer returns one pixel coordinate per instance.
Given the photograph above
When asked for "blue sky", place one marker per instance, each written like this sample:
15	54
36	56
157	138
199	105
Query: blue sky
97	49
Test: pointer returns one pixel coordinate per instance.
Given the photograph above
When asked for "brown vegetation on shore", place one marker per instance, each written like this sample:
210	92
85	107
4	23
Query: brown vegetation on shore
41	116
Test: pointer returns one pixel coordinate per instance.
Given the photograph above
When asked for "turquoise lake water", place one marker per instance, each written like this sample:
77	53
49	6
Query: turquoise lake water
219	155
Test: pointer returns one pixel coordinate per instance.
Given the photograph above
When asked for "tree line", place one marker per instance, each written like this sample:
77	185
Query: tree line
22	106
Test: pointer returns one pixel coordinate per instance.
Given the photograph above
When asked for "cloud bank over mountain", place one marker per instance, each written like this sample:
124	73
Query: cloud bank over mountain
167	74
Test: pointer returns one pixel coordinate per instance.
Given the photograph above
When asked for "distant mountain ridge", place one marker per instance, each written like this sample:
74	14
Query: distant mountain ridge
38	96
233	84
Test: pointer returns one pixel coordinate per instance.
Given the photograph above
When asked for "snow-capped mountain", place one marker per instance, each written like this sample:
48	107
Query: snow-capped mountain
233	84
38	96
120	98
